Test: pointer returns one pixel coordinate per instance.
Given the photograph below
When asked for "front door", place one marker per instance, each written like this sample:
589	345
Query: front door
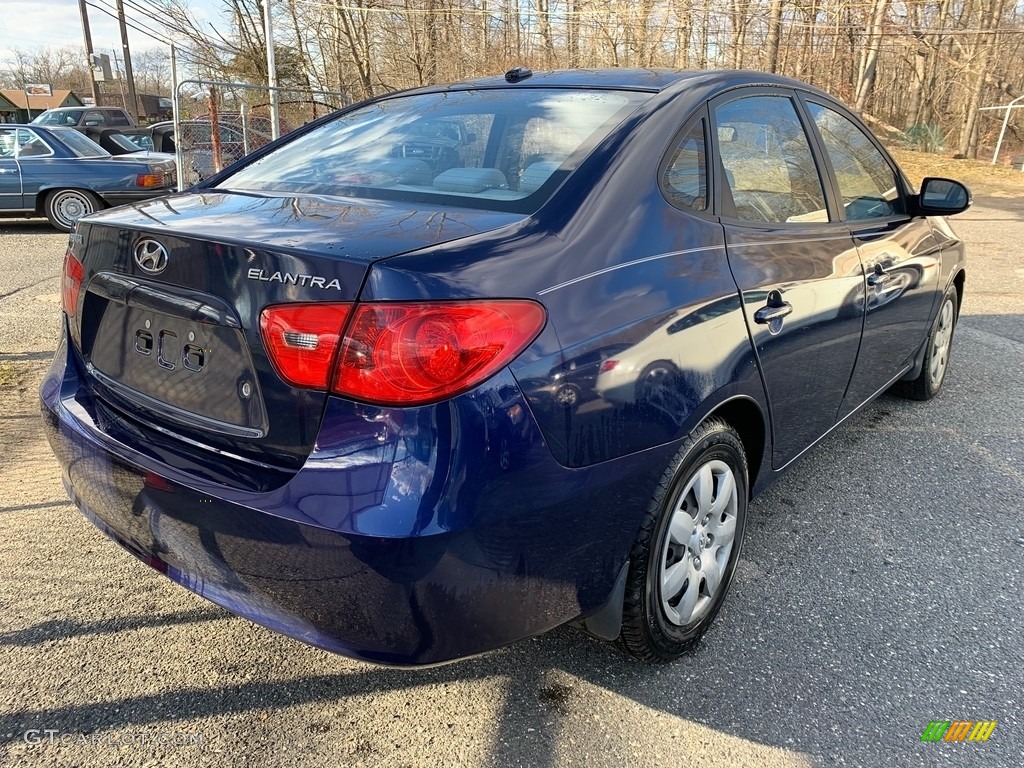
797	268
901	255
11	198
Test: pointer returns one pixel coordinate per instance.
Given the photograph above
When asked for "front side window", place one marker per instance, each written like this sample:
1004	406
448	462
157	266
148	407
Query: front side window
866	181
8	141
685	178
769	169
501	149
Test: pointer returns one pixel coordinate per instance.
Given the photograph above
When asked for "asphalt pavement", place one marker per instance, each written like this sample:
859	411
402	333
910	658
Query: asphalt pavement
882	587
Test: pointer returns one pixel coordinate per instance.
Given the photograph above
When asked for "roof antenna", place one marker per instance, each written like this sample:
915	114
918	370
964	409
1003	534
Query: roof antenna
516	74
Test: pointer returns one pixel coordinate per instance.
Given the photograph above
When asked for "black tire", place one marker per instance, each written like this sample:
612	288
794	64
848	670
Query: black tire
938	345
649	632
63	207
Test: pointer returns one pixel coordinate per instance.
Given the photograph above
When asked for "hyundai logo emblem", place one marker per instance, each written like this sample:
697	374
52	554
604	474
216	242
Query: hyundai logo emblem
151	256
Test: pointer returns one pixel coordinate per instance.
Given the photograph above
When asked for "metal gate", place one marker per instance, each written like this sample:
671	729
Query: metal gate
217	123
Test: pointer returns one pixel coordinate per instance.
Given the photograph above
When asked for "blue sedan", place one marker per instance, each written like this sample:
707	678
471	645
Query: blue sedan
59	173
459	365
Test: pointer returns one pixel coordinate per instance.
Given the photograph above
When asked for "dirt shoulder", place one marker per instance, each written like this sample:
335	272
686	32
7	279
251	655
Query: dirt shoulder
983	178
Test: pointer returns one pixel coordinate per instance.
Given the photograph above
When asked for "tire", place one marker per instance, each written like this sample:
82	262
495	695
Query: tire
66	206
655	378
660	625
568	396
936	356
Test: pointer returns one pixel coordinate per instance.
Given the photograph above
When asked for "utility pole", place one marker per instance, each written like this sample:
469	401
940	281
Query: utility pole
133	107
120	79
275	104
88	53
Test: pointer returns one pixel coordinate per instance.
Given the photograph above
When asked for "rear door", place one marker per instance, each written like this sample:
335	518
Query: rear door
900	254
795	263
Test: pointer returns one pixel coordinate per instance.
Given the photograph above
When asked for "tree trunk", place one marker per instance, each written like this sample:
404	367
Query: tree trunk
774	34
869	56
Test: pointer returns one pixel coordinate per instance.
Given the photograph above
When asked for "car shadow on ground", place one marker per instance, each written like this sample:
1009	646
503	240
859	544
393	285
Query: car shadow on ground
26	227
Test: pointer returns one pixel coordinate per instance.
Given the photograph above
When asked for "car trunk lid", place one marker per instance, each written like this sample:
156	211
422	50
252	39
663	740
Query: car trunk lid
167	327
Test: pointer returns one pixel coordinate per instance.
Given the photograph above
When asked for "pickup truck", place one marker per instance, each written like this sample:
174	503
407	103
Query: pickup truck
86	117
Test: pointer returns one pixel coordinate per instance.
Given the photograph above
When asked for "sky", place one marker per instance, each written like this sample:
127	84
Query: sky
33	24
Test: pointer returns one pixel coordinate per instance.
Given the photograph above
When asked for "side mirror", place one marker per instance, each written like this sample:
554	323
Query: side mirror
942	197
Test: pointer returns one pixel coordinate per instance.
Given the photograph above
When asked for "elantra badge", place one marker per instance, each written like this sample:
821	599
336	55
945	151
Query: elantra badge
150	256
291	278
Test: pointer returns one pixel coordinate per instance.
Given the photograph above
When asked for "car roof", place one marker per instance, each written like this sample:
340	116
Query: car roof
38	127
653	80
75	108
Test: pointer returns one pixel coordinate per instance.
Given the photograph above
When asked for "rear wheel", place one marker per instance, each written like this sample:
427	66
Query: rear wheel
688	545
936	356
66	206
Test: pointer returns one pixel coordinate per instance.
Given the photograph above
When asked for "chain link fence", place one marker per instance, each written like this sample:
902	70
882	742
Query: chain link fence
217	123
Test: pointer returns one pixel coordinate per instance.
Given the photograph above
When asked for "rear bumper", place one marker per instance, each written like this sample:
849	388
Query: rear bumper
390	560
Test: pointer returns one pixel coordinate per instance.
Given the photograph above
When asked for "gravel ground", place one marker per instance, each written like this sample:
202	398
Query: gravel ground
881	588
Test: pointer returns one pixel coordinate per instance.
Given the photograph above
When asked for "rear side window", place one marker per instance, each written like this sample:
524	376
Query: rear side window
769	168
500	149
118	119
685	178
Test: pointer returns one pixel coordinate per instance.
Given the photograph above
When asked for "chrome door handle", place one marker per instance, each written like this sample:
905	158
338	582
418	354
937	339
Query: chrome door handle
775	309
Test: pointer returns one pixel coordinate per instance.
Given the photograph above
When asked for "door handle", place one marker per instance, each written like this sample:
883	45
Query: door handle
877	276
775	309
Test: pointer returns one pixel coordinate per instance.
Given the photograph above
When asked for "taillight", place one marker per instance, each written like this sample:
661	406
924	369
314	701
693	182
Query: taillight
398	353
608	365
74	273
422	352
301	340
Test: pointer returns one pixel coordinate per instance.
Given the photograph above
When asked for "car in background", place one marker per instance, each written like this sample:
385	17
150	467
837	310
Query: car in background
85	117
59	173
114	141
158	137
197	143
351	388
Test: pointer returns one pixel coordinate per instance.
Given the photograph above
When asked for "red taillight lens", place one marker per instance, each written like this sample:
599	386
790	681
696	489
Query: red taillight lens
74	273
608	365
301	340
419	353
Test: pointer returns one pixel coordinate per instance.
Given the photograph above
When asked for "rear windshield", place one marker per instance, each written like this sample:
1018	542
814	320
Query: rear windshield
58	117
501	149
81	146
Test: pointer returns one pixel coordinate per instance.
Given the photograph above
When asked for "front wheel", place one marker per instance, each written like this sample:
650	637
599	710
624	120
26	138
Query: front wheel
686	551
936	356
66	206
